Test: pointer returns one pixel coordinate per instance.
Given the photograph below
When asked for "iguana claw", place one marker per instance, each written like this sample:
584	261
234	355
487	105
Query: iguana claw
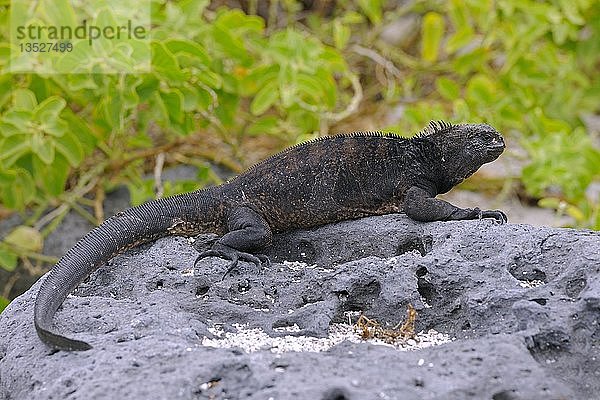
498	215
235	256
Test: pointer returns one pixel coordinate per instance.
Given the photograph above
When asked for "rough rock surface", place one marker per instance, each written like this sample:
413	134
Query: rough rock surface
522	303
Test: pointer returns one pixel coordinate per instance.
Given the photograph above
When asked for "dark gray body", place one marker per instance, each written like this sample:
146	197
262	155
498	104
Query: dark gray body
319	182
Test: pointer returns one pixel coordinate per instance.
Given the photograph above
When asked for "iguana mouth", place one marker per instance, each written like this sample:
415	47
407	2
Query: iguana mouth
496	148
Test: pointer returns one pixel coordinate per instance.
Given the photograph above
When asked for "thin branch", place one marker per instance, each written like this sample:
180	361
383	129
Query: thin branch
353	105
10	282
99	203
46	219
159	189
378	58
81	211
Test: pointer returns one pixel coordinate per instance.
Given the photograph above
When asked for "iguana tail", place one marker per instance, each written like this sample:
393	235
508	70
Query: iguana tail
127	229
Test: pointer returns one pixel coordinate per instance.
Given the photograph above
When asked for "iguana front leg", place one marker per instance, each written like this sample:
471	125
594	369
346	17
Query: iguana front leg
247	232
421	206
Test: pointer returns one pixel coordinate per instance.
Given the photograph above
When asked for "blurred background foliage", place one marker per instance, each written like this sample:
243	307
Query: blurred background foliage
234	81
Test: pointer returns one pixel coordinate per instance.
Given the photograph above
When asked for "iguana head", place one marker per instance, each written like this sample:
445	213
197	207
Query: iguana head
463	148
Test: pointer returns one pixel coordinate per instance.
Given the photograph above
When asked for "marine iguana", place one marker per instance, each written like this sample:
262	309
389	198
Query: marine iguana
326	180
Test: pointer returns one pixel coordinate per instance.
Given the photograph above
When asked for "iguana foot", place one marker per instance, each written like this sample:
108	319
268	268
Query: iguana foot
229	253
498	215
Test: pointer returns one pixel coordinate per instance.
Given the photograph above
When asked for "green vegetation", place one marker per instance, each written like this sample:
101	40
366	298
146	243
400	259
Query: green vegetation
225	82
3	303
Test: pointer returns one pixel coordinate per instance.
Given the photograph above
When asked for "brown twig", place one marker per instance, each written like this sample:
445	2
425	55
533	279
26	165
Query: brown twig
99	203
371	329
159	189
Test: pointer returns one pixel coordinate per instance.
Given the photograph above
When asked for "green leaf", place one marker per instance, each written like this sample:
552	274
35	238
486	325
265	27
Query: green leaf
173	101
560	32
352	17
4	302
264	98
19	119
14	147
457	12
26	238
447	88
141	191
21	192
43	148
177	46
8	261
461	110
432	32
305	121
70	147
571	11
193	9
81	129
329	87
550	202
49	109
575	213
372	9
205	99
190	98
236	20
341	34
333	60
315	90
111	109
264	126
7	177
230	45
210	79
6	86
165	64
257	78
481	89
51	178
459	39
55	127
287	85
78	82
24	99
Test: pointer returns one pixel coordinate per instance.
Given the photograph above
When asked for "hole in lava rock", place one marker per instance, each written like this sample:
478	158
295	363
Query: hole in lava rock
525	272
243	286
540	301
360	297
547	342
426	290
342	295
202	290
574	287
504	395
306	251
159	284
414	241
310	299
421	271
336	394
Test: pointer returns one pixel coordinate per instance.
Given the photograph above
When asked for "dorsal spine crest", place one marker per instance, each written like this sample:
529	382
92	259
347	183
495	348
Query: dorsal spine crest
434	127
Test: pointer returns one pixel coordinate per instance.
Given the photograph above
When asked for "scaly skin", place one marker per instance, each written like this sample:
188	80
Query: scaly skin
319	182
